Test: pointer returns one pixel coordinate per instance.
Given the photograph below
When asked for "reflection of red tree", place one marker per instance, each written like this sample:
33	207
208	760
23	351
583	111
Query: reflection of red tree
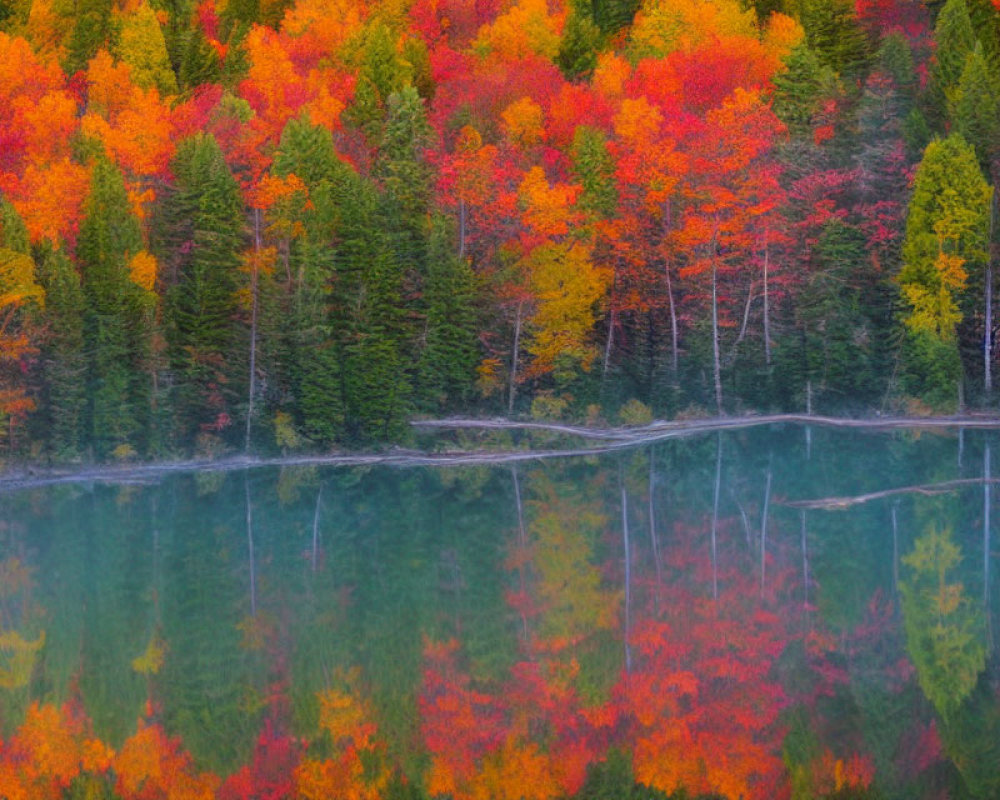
701	700
528	739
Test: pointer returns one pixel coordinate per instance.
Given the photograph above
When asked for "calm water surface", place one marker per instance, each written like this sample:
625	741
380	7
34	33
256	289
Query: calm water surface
660	619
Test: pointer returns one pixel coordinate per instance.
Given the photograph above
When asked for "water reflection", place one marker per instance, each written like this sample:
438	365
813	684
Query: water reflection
672	618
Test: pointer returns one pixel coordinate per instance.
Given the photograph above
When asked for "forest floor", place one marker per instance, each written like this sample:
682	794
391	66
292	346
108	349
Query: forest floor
592	441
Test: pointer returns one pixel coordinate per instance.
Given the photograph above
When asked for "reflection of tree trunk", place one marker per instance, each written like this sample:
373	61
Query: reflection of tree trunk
522	540
895	548
514	357
809	411
986	542
250	549
805	559
715	516
961	446
652	535
315	541
628	576
763	526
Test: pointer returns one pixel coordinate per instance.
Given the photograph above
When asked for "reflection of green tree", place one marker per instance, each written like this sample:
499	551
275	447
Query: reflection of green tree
942	627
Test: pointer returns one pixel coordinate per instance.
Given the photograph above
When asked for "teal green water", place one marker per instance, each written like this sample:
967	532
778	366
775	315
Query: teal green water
672	588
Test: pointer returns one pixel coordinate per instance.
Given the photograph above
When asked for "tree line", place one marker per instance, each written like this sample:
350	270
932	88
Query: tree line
275	226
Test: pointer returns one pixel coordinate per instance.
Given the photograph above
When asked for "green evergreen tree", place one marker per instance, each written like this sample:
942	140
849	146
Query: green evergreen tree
117	324
955	40
447	367
834	34
204	226
595	170
800	88
92	30
976	109
313	350
580	44
13	231
64	359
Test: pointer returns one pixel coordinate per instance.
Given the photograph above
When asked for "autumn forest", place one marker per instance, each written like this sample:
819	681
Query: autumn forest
269	225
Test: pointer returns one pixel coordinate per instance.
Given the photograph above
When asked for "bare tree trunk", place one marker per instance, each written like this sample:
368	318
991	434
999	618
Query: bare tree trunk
670	295
253	328
988	348
522	539
607	345
673	324
628	575
767	312
716	367
763	527
461	229
805	559
315	539
250	547
809	411
715	516
514	357
652	533
986	540
895	548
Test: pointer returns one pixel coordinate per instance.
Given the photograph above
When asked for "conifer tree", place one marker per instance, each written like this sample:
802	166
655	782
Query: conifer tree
64	359
204	224
447	366
955	40
116	321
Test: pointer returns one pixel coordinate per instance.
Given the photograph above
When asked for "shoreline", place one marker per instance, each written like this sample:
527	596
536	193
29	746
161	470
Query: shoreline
605	440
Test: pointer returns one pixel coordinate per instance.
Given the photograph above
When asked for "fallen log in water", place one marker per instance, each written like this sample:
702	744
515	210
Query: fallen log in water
927	489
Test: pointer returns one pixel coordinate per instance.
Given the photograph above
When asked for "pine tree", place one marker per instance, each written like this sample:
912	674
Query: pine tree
447	366
799	89
976	109
204	225
313	351
834	34
955	40
64	359
116	324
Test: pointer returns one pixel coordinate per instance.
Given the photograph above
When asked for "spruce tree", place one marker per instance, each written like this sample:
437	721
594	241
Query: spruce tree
447	366
64	359
116	328
204	226
955	40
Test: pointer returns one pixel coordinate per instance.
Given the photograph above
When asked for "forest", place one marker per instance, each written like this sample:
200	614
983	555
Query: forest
273	225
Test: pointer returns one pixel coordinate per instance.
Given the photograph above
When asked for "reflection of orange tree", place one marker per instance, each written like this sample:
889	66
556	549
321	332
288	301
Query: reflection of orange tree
54	754
527	738
355	767
702	703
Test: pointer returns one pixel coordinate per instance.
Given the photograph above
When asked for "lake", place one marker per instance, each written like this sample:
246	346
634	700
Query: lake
680	616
